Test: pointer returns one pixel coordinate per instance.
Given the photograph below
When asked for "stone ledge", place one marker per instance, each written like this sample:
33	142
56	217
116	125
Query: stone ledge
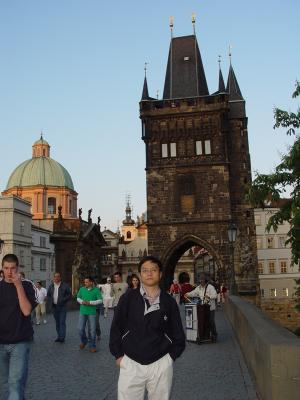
271	352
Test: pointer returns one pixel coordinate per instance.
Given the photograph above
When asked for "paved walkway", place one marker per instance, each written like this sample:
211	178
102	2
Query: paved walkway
63	372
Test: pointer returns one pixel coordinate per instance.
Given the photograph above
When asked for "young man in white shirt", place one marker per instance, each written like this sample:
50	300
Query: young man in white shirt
40	309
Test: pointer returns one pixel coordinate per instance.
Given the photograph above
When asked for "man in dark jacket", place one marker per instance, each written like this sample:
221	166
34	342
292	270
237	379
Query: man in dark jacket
146	337
18	297
59	293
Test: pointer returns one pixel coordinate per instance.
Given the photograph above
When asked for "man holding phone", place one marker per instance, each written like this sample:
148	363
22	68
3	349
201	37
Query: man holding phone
18	298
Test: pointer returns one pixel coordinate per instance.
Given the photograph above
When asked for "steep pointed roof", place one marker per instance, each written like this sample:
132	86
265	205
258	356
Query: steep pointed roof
233	87
145	94
221	82
185	76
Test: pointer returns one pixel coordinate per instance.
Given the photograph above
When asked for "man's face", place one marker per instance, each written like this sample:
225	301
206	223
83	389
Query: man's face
56	278
118	279
38	285
88	283
10	269
150	274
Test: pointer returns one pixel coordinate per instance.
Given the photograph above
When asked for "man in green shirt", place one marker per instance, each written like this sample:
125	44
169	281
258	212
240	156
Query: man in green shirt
88	297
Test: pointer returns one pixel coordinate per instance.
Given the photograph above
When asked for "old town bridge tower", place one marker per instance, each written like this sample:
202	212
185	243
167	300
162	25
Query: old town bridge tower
197	168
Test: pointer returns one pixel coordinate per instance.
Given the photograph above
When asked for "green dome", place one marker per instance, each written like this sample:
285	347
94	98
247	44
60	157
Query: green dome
41	141
40	171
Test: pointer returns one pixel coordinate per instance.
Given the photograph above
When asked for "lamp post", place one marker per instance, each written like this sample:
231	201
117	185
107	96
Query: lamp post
1	245
232	231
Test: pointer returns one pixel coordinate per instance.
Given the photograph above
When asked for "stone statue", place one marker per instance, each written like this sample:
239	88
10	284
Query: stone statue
80	213
89	215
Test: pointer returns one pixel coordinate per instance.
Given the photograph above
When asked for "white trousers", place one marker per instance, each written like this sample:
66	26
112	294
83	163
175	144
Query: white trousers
135	378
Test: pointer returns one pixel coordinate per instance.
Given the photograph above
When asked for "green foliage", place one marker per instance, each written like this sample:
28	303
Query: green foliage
272	187
297	296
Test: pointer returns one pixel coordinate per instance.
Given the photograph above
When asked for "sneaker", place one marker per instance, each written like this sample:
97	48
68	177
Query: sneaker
38	323
45	321
82	346
93	350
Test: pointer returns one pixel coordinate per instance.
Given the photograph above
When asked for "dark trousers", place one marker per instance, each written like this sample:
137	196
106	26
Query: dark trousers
212	324
98	330
60	314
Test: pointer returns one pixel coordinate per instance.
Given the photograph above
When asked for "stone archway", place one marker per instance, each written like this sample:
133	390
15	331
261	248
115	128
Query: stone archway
177	248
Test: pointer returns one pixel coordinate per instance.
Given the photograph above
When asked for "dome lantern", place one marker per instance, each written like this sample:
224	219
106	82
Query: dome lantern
41	148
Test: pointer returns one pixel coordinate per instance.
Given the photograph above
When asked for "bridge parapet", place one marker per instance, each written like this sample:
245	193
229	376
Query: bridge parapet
272	353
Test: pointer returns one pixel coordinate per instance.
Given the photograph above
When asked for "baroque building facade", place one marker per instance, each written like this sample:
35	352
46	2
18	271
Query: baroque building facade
197	168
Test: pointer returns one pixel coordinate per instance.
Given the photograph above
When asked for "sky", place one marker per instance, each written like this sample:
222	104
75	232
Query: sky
74	69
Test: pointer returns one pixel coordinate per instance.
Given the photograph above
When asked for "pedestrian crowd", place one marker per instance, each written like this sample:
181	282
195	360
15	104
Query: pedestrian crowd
146	334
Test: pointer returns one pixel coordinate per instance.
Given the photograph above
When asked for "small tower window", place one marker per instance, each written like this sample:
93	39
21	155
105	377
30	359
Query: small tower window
51	205
173	149
164	150
198	148
207	147
128	235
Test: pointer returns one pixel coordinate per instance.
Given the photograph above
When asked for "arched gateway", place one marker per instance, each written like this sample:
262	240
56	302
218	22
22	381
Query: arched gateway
197	168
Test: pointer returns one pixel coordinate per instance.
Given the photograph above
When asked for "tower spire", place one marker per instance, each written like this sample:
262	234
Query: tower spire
221	79
145	93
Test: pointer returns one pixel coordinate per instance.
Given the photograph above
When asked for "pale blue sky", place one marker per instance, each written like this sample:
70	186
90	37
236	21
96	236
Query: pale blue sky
74	68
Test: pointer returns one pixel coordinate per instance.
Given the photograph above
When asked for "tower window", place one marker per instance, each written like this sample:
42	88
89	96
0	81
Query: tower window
128	235
51	205
187	198
199	148
173	149
207	147
164	150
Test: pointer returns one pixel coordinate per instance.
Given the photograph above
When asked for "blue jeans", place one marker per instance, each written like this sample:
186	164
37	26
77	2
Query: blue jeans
60	315
14	368
82	322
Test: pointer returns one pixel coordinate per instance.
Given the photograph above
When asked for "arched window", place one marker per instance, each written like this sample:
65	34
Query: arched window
51	205
128	235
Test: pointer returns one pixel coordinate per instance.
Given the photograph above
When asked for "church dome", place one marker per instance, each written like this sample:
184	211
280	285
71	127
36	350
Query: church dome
40	170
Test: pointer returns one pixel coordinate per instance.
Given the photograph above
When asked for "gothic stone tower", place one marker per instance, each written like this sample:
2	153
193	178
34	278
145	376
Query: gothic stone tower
197	167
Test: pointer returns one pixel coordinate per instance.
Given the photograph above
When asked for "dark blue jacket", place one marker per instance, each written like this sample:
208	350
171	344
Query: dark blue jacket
146	338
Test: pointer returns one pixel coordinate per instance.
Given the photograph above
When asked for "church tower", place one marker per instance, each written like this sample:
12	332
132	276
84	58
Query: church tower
197	169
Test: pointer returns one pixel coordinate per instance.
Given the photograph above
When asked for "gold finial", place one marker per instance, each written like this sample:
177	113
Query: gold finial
194	22
171	22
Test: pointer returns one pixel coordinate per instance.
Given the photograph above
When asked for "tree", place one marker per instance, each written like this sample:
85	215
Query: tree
273	186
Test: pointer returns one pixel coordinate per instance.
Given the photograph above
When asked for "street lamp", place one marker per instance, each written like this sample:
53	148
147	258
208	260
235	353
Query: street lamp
232	231
1	245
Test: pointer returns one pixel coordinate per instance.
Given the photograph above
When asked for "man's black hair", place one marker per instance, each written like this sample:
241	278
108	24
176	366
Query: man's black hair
11	258
90	278
118	273
152	259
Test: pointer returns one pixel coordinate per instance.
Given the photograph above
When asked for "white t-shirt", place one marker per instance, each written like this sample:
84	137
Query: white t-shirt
41	295
55	294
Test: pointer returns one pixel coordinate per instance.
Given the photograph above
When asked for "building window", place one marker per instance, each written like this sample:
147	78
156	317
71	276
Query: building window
51	205
70	206
273	293
271	267
164	150
270	242
283	267
128	235
281	242
187	198
42	241
260	268
199	148
22	257
173	149
258	242
257	219
32	263
262	292
42	264
207	147
285	292
22	228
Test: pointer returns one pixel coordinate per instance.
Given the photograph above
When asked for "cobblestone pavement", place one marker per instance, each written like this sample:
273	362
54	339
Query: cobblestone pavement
63	372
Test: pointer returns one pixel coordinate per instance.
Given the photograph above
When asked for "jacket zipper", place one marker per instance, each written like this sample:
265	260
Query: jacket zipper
125	334
168	338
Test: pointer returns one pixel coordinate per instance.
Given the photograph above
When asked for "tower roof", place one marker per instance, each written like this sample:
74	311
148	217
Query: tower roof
145	94
232	86
185	76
